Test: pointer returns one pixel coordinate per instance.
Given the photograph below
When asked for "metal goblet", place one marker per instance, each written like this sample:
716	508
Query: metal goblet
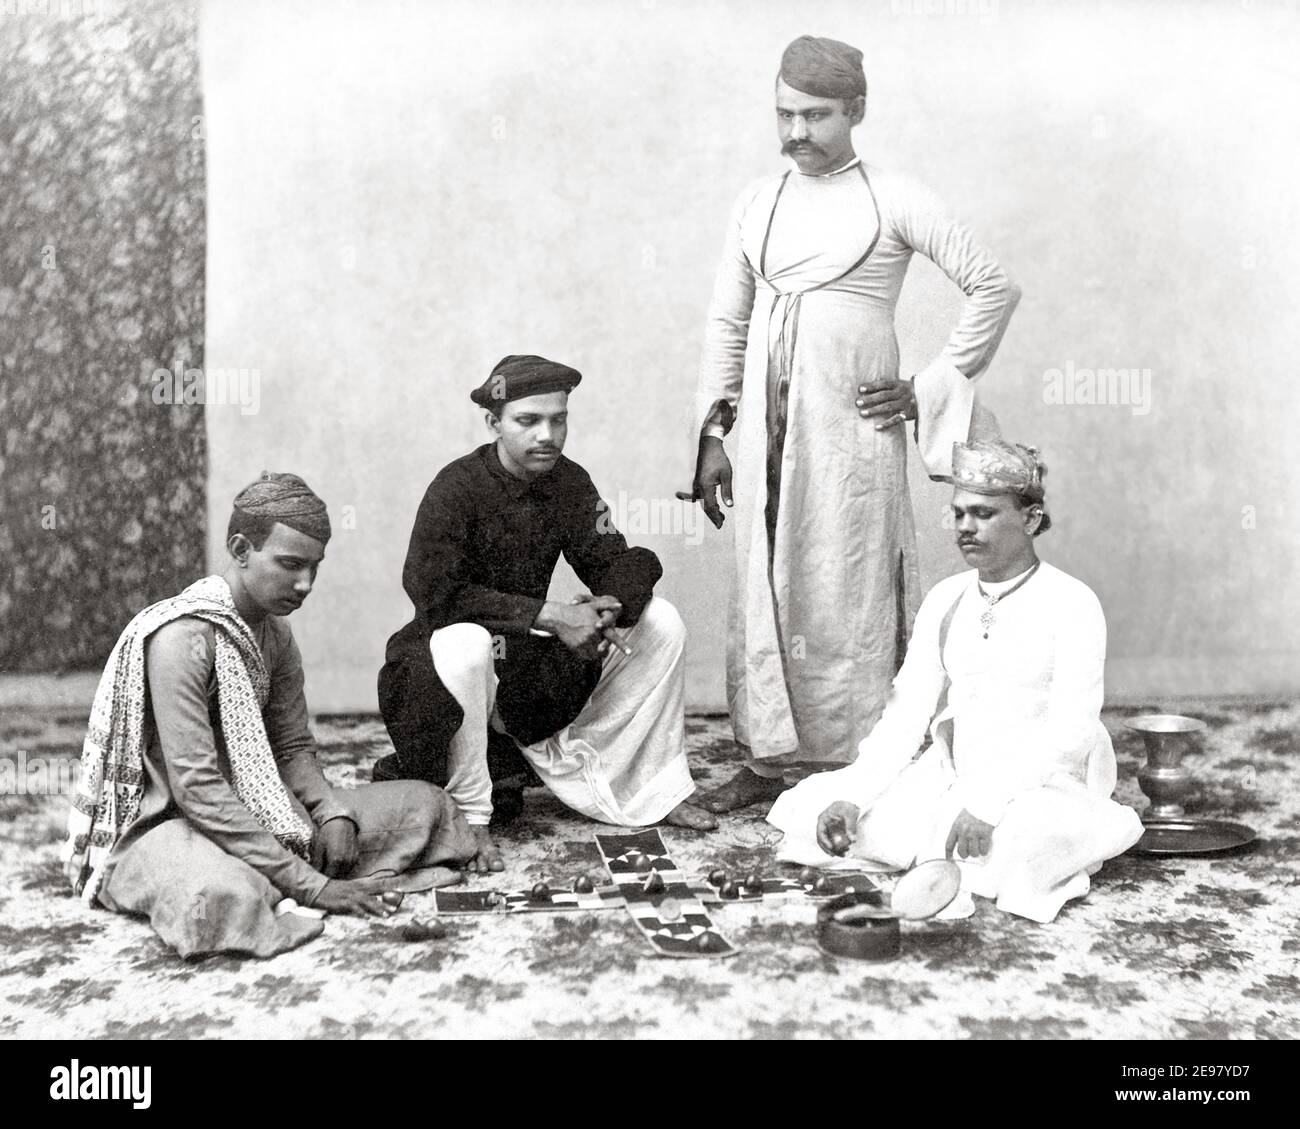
1164	779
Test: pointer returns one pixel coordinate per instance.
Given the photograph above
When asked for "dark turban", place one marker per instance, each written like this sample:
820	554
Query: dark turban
516	377
824	68
285	498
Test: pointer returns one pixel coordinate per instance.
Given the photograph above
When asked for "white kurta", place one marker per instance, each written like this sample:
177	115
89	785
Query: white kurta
802	314
1017	742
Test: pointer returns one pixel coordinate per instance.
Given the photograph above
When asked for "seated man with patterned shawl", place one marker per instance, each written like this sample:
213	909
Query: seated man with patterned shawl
201	804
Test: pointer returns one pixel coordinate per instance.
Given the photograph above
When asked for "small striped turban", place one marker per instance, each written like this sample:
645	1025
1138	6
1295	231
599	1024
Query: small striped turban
285	498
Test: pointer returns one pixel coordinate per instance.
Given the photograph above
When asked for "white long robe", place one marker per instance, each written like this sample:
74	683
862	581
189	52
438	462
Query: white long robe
802	314
1017	742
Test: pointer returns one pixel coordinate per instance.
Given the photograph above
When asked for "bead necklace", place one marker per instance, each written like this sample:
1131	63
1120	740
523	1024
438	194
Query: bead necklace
991	601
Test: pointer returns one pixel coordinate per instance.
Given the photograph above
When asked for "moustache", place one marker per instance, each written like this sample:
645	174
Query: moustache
800	147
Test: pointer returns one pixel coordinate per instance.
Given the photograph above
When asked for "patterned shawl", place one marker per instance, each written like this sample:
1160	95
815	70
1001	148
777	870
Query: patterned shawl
112	756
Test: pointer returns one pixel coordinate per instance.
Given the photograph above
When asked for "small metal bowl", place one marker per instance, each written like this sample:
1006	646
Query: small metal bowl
864	925
857	926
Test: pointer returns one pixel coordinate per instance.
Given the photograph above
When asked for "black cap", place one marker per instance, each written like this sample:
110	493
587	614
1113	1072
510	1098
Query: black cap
518	376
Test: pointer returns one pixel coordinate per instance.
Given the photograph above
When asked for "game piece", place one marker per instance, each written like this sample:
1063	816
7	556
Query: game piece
391	898
729	889
821	885
840	842
642	864
582	885
654	884
670	909
754	882
540	891
419	931
717	876
807	876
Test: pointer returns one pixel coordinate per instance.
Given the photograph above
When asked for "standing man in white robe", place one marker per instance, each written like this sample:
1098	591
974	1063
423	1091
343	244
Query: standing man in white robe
1004	673
800	347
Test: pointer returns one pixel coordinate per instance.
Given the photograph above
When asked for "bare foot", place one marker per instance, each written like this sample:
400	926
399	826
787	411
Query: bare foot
740	791
488	857
687	814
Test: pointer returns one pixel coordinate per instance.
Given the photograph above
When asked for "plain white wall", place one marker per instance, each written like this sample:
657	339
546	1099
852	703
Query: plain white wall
401	193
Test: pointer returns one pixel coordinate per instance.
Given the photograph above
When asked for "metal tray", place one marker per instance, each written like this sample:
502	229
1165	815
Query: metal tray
1192	837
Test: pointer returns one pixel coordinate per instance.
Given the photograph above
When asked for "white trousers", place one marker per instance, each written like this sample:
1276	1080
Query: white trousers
623	758
1047	844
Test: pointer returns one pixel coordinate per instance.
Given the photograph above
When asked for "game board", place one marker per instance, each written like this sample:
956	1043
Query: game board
670	915
772	891
669	909
528	901
542	898
802	889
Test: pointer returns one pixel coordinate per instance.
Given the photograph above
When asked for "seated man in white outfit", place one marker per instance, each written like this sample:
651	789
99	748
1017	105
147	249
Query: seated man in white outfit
591	692
1004	676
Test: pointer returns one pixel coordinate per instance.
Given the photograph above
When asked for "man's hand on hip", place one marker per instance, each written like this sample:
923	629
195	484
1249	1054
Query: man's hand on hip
892	401
712	470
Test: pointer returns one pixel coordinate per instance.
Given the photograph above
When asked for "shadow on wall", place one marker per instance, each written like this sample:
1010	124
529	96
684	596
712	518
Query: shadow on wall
102	241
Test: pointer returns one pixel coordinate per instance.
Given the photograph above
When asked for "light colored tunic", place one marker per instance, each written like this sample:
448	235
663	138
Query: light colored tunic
1017	742
197	863
802	314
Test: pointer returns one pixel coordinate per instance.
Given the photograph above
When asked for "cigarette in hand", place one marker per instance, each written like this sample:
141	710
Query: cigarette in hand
613	637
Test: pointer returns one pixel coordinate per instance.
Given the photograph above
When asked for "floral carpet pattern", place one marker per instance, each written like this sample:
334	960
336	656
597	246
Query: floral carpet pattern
1160	949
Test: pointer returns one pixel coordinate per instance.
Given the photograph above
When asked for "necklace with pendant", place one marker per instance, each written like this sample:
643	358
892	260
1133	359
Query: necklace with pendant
991	601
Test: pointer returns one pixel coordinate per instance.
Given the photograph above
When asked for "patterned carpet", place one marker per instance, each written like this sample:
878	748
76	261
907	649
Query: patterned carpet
1161	949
